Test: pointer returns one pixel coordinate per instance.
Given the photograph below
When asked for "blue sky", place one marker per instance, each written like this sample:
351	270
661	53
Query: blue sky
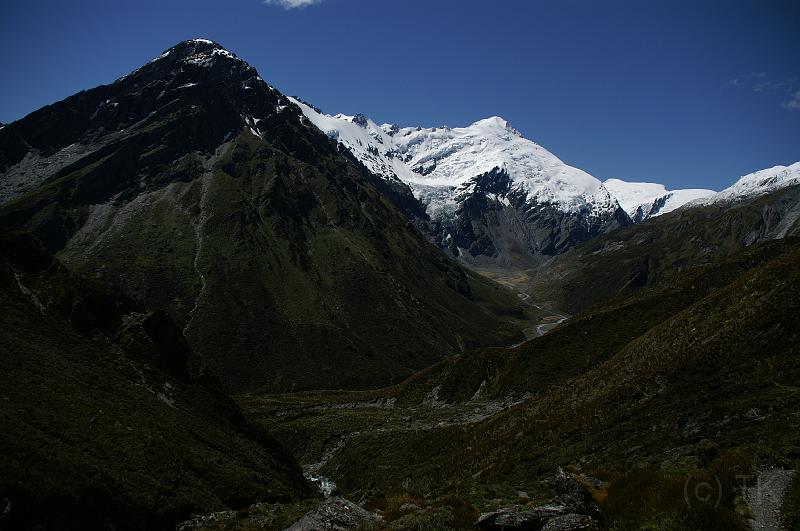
687	93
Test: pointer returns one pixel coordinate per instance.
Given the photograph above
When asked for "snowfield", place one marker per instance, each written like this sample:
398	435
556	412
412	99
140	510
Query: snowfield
646	200
440	162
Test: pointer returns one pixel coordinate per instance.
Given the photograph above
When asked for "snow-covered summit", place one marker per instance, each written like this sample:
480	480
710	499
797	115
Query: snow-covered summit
446	158
497	125
646	200
759	183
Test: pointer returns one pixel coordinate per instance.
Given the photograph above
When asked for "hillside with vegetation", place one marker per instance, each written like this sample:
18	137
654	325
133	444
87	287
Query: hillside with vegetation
690	380
108	417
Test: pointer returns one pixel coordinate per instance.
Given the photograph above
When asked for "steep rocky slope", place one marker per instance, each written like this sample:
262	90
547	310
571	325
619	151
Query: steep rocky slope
198	188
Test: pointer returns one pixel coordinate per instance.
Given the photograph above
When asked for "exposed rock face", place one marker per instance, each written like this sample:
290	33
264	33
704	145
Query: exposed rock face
572	508
574	496
497	223
334	514
511	518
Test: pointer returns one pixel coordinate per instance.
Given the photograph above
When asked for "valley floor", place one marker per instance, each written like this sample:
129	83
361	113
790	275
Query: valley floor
519	281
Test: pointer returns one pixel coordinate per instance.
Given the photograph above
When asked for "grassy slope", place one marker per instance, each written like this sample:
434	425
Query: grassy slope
101	422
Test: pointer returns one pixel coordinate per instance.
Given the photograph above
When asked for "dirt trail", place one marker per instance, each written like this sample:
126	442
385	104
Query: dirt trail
766	496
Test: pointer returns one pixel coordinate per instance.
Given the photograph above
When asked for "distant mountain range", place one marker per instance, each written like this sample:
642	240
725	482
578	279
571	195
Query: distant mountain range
492	197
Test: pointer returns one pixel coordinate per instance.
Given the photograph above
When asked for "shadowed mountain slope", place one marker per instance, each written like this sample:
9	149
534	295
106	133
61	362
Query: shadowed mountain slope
107	422
198	188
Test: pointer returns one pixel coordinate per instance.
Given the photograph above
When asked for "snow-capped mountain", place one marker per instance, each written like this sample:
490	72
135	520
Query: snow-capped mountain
759	183
489	192
444	157
645	200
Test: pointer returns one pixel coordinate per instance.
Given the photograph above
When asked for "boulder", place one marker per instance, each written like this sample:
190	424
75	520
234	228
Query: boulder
570	522
511	518
333	514
571	493
572	508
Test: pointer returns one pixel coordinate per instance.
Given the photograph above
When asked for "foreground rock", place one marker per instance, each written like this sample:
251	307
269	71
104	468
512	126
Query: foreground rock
334	514
573	494
257	516
572	508
513	518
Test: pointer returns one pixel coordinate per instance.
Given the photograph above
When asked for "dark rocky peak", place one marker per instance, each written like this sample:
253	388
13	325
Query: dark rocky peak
192	62
203	53
191	99
199	87
360	119
192	47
